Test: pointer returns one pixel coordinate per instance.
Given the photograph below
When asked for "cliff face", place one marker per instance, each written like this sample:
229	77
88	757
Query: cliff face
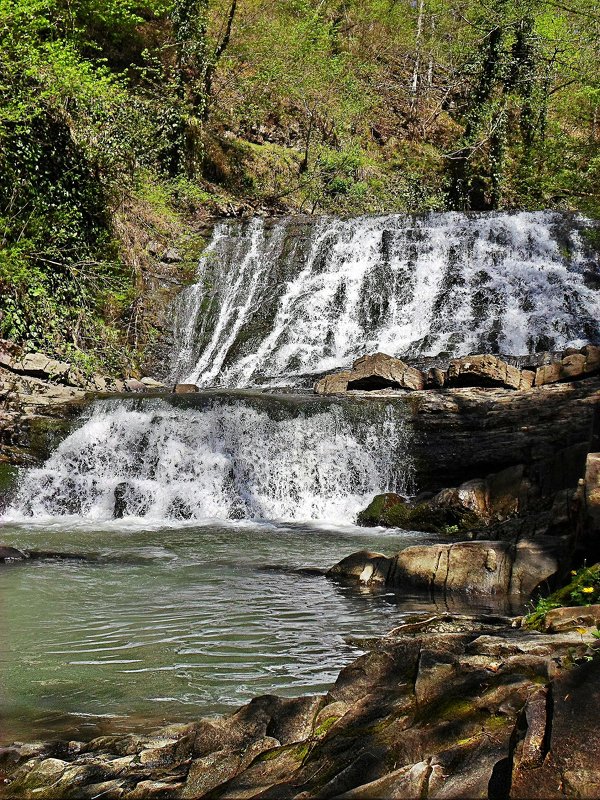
469	433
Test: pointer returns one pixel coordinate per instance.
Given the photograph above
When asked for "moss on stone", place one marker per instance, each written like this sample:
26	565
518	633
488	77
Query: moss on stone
326	725
8	478
569	595
455	708
392	511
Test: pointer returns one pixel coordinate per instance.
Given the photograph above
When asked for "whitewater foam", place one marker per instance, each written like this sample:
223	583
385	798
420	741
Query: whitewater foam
276	302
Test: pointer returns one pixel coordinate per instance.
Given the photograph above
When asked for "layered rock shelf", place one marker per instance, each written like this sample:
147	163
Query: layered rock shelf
380	371
38	392
444	706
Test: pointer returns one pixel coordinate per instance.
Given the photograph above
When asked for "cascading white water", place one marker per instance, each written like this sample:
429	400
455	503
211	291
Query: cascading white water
223	460
278	301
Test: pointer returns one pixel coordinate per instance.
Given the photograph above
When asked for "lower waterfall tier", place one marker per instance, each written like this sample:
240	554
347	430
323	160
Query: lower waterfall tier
261	457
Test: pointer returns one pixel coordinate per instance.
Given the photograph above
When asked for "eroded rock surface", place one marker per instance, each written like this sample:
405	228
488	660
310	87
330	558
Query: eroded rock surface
443	707
372	372
464	434
382	371
473	567
484	370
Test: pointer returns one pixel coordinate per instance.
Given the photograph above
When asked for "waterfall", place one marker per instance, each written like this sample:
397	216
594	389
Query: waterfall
278	302
264	458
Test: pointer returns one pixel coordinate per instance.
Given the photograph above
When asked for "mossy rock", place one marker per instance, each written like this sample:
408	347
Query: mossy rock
392	511
8	477
573	594
8	481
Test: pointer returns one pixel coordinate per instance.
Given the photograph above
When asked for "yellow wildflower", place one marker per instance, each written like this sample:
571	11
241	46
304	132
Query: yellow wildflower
587	589
573	572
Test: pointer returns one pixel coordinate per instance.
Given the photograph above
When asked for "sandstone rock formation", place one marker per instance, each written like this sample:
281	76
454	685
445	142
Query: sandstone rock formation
473	567
574	364
570	618
467	433
380	371
442	707
377	371
486	371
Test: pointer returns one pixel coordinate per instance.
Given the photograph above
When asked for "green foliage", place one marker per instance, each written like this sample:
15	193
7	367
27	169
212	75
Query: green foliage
582	590
190	106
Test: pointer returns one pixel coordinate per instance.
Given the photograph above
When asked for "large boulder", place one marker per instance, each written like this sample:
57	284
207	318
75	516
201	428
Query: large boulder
473	504
478	567
372	372
474	567
573	365
467	433
486	371
444	513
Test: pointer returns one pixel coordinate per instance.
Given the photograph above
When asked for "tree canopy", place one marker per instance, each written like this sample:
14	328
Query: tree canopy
342	106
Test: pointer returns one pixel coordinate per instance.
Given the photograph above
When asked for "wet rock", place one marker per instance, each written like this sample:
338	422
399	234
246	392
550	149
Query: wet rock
179	509
473	504
120	495
363	567
442	513
8	554
129	500
372	372
185	388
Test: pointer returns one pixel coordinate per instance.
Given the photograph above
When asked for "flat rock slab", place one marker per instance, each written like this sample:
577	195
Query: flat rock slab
571	618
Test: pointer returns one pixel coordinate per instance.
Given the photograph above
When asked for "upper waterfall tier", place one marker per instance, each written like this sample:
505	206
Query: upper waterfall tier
277	302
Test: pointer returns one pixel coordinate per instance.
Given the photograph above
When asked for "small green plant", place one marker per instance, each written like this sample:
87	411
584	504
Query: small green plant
582	590
585	587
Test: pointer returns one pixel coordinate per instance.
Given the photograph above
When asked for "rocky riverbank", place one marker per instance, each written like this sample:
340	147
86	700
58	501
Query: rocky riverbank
445	706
